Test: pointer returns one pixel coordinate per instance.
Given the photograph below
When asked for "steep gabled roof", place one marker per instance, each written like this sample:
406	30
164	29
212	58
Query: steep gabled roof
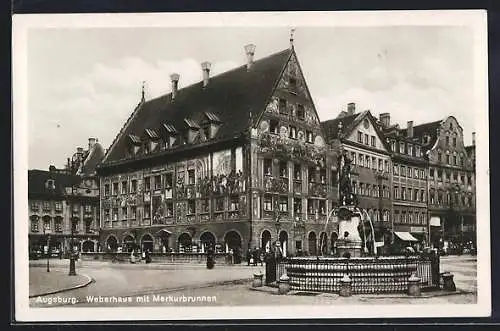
231	96
419	131
93	158
331	127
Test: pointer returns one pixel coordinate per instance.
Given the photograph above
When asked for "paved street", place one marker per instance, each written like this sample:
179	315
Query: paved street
155	284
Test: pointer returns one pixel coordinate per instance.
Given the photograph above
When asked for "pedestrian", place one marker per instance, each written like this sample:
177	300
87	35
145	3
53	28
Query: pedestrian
132	257
249	256
255	257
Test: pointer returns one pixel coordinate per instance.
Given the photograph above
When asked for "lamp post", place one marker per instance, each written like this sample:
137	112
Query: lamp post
47	232
72	264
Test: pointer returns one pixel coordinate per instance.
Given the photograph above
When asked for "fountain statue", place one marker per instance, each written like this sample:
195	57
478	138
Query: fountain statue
348	214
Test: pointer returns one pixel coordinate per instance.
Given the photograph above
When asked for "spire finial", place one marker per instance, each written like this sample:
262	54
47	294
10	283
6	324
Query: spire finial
142	91
292	31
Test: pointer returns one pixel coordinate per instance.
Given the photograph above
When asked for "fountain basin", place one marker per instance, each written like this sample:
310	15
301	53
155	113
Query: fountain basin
369	275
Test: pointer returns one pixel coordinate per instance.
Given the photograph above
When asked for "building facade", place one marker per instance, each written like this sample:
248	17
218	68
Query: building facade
64	205
237	161
409	180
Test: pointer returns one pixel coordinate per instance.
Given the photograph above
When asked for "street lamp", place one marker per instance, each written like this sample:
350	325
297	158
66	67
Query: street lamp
47	232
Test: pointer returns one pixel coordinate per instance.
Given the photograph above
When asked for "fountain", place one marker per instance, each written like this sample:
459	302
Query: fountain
355	263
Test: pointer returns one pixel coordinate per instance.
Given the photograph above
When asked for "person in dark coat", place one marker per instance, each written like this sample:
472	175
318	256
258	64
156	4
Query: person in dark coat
210	258
255	255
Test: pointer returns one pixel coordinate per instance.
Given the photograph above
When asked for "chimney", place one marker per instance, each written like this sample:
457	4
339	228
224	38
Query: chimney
351	108
409	129
79	150
175	84
250	51
473	138
205	66
385	119
92	142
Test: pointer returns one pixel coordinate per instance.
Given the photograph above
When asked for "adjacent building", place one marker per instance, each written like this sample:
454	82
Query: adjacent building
64	204
238	161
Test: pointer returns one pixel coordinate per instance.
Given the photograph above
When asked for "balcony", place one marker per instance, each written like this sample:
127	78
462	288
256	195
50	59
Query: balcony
317	189
277	185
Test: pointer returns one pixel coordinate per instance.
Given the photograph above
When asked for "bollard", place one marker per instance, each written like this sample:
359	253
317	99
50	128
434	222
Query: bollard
414	286
284	284
448	283
257	279
345	286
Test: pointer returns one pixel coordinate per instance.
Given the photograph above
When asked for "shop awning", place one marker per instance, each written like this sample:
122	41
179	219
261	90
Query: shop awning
435	221
405	236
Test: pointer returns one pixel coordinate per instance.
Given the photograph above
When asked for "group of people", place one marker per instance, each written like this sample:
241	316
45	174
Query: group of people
255	256
145	256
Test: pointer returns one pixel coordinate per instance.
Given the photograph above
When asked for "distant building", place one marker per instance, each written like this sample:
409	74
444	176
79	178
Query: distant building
237	160
65	203
409	181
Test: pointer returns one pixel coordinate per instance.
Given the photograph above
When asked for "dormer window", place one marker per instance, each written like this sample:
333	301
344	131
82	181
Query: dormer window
211	125
152	137
135	143
170	136
50	184
193	129
427	138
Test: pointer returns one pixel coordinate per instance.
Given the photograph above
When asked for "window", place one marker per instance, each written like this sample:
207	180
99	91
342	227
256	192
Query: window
374	163
106	189
293	82
219	204
361	160
361	189
292	132
312	174
322	176
455	176
297	205
268	170
368	162
431	173
440	175
283	204
283	170
322	207
396	216
133	212
58	206
353	158
147	211
309	137
469	179
297	172
454	142
88	209
410	194
115	214
35	206
146	148
124	213
462	179
106	214
191	206
124	187
360	137
416	195
393	145
422	195
440	157
169	209
76	208
447	140
373	141
58	225
410	172
310	206
133	185
282	107
157	182
403	171
274	126
115	188
234	204
168	181
300	112
34	224
401	147
147	183
366	139
46	206
417	151
415	173
75	225
205	207
455	160
447	159
396	169
448	176
191	177
403	193
268	203
380	165
87	226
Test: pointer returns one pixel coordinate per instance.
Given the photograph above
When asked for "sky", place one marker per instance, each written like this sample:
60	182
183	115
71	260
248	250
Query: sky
85	82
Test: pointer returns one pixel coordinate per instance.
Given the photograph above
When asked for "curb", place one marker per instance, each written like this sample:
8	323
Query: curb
86	283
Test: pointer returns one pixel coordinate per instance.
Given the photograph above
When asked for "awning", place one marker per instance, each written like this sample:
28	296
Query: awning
435	221
405	236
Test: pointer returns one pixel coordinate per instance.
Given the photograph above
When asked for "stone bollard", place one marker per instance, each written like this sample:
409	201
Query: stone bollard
284	284
448	283
414	286
345	286
257	279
